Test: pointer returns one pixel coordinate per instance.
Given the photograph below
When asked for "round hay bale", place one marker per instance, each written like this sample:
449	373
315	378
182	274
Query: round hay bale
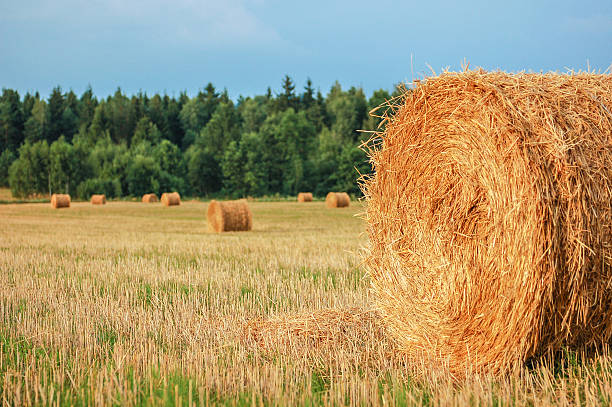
489	218
60	201
98	199
304	197
229	216
337	200
149	198
171	198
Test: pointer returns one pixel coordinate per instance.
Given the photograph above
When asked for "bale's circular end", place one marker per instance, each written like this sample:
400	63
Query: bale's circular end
60	201
304	197
229	216
489	218
149	198
337	200
98	199
171	199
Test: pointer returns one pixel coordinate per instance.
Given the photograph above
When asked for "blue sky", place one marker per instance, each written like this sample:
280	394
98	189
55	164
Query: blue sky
248	45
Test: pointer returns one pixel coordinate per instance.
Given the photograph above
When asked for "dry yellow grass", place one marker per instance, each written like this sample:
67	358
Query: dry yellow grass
126	311
6	195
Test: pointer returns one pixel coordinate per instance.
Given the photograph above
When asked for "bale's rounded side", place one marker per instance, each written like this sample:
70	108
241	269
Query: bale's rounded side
98	199
304	197
337	200
60	201
171	198
229	216
489	218
149	198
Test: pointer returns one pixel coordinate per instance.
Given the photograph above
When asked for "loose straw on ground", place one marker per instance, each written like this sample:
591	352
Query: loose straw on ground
489	218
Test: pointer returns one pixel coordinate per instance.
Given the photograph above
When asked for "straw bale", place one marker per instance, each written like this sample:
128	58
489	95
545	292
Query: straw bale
304	197
60	201
149	198
229	216
171	198
98	199
337	200
489	218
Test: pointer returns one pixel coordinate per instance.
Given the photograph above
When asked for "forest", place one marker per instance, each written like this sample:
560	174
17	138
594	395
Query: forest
207	145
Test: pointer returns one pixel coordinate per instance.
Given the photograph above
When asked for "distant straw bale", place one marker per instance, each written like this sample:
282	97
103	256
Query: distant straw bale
171	198
304	197
489	218
337	200
60	201
98	199
229	216
149	198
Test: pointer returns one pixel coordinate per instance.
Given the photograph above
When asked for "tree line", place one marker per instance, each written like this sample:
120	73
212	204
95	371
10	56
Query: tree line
206	145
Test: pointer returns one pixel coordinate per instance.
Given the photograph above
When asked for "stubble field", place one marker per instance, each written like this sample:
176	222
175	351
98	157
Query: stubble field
138	304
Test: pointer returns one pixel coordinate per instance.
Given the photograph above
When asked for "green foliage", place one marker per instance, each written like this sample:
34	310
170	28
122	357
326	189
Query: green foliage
201	145
352	163
196	113
147	131
325	161
110	187
55	111
347	111
34	129
244	169
29	174
62	161
203	171
11	120
222	128
253	112
6	159
143	175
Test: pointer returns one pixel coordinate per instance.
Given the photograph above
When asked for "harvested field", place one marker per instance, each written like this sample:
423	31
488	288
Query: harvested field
124	310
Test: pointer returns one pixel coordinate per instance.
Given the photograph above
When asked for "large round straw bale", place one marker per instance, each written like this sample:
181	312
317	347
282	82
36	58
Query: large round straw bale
337	200
60	201
229	216
171	198
149	198
489	218
304	197
98	199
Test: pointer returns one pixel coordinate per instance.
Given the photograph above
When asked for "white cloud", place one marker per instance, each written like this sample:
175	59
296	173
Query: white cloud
195	22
